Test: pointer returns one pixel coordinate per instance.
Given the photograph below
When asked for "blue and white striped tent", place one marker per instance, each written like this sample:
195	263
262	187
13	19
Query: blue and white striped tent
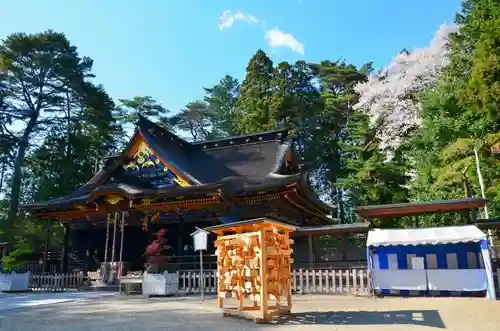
429	260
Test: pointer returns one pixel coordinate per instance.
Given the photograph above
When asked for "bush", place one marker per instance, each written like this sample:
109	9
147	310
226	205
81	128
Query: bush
156	253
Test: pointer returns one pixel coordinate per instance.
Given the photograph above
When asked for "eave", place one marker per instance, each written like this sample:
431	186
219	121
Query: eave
419	208
332	229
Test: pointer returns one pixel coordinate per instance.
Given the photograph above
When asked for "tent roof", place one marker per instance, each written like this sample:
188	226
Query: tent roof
425	236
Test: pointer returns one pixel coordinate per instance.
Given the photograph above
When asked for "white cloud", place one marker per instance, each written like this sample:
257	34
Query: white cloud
277	38
227	19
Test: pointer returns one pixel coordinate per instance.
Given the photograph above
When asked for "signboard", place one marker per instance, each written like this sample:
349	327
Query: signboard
200	239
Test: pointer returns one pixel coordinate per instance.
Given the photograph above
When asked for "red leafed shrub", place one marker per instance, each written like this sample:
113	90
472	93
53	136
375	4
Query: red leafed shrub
156	253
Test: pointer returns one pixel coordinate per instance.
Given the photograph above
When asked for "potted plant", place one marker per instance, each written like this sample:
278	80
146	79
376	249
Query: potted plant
157	280
10	280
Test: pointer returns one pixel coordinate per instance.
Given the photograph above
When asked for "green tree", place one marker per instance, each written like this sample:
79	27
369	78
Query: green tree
369	177
196	119
221	99
128	110
337	81
461	113
38	72
254	105
296	103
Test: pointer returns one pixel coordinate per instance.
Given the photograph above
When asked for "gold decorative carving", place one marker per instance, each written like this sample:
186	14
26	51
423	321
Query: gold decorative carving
113	199
147	201
145	223
141	158
144	158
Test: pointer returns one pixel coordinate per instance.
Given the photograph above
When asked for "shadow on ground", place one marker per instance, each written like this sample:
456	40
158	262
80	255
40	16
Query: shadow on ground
429	318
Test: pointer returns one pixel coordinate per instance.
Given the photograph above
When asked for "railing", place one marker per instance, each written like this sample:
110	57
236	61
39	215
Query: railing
353	281
330	281
56	282
303	281
189	282
329	265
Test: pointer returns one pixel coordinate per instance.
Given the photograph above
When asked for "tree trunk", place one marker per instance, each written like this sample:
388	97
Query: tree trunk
15	190
2	176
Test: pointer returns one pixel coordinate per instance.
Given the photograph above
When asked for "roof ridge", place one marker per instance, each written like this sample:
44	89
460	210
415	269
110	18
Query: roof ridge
241	136
146	125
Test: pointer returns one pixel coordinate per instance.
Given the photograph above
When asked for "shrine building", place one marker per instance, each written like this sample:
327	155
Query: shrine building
163	181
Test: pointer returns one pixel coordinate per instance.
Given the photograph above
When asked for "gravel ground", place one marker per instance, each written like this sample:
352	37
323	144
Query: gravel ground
315	313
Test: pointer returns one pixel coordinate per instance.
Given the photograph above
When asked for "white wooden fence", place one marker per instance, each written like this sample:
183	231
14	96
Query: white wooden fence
354	281
303	281
56	282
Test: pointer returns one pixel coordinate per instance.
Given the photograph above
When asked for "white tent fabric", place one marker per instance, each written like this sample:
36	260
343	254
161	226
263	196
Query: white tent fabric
425	236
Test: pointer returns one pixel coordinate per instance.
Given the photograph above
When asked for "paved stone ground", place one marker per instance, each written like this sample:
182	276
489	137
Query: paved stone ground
23	300
315	313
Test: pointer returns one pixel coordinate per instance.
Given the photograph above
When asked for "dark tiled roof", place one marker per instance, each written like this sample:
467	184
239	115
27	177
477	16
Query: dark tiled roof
237	165
251	157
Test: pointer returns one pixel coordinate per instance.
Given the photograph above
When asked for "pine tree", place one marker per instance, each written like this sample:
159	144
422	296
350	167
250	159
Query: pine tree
221	100
254	105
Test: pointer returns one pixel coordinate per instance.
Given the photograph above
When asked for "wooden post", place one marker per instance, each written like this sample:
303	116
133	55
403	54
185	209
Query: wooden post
89	248
343	246
264	294
220	287
46	246
64	259
289	292
202	277
311	251
180	241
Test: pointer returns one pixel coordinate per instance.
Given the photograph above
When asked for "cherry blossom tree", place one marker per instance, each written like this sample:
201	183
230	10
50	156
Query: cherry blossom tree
389	97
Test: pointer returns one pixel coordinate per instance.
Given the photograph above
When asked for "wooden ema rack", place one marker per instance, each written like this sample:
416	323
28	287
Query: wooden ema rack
254	269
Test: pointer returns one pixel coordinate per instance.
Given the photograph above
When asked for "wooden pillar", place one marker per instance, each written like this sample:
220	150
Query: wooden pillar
343	246
46	246
264	293
65	248
89	247
180	242
473	215
311	251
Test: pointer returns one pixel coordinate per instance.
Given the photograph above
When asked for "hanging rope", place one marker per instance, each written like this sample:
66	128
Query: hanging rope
114	239
107	239
122	230
104	268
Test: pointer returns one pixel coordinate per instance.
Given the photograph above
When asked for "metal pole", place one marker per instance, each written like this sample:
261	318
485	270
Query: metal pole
122	230
202	277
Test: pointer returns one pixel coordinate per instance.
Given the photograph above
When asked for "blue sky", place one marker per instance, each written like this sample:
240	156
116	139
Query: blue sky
171	49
